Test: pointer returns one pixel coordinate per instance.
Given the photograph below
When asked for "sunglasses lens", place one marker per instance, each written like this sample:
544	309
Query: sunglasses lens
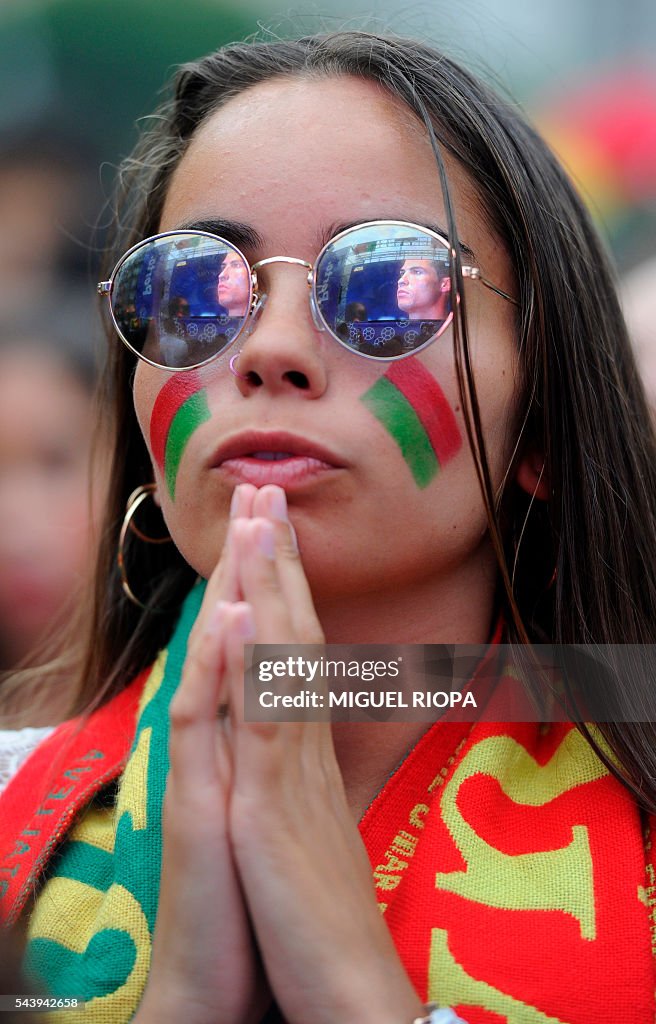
180	299
384	289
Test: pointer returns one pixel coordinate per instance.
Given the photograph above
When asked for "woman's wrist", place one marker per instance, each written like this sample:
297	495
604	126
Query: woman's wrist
382	994
396	1002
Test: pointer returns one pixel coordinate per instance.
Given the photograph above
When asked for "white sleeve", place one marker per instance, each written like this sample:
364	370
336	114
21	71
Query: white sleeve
16	745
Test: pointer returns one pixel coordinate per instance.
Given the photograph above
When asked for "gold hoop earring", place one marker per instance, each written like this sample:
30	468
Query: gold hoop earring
136	499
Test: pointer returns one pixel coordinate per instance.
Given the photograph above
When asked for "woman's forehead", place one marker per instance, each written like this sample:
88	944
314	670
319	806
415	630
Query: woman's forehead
303	104
336	139
293	156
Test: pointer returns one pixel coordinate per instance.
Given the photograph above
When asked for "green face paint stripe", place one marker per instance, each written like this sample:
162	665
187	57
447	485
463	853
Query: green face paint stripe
399	418
177	390
187	419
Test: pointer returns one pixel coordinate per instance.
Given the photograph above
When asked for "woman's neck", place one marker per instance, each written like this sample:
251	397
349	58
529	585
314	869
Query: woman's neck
455	607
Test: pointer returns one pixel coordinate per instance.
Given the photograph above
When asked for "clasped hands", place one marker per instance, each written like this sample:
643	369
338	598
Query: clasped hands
266	890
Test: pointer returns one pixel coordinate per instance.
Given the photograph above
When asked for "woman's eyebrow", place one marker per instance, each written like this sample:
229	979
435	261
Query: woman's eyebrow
335	229
245	236
242	235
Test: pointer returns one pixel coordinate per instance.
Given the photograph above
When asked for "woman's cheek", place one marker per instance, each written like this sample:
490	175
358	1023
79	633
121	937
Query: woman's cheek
179	409
410	404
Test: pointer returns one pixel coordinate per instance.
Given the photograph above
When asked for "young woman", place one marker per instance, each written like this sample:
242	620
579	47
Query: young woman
485	473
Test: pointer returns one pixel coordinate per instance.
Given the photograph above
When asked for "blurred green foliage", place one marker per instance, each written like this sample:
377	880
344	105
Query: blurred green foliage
90	69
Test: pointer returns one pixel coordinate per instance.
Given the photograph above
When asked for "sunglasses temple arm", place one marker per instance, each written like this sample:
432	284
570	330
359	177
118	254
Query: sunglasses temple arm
498	291
475	274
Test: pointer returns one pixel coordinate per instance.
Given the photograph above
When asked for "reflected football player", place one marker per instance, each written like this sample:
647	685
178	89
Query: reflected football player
421	292
234	286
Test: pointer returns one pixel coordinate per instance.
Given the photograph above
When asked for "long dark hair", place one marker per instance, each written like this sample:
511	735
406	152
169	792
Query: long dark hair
576	569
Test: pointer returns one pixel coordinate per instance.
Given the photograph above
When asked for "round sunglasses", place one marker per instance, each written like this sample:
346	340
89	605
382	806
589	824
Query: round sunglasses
381	289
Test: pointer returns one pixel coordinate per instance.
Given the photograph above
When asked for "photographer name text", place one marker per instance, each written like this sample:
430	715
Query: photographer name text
367	699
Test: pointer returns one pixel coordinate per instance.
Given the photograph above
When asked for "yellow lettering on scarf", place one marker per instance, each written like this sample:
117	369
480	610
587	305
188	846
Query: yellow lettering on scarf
450	985
417	815
545	880
649	892
405	844
383	881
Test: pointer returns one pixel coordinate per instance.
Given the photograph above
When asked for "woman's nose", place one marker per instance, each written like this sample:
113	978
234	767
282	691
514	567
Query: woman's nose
282	351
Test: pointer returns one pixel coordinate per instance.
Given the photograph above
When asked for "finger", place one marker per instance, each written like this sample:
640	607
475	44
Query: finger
255	548
271	758
240	630
192	740
223	584
271	503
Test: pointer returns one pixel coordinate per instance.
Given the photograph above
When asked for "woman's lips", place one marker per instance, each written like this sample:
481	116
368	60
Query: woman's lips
285	470
277	458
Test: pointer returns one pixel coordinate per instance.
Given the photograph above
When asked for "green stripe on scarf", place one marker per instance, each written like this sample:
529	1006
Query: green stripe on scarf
86	863
119	890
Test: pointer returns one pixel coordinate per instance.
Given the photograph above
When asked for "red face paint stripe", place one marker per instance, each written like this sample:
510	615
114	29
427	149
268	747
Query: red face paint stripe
174	394
429	402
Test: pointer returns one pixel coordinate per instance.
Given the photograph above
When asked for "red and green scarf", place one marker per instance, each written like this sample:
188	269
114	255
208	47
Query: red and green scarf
514	872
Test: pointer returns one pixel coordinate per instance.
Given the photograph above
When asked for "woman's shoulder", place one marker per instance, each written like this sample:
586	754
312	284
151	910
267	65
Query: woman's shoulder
57	780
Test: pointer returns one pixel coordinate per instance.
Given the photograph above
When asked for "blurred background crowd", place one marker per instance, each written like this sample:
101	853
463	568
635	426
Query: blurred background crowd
75	78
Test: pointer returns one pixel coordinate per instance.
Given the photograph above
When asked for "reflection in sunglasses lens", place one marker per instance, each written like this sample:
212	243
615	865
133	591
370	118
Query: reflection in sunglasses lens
180	299
384	289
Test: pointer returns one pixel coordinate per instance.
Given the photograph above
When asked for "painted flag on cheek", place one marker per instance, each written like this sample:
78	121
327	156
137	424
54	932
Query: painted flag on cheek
412	407
179	409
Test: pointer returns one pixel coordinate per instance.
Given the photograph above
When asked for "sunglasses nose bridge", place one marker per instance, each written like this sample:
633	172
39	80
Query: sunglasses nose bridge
260	297
281	259
257	305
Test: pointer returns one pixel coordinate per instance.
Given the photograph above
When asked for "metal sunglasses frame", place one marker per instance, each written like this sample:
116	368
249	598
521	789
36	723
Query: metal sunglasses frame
257	298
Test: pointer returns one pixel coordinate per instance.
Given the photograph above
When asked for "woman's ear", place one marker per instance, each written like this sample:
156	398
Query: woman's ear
531	475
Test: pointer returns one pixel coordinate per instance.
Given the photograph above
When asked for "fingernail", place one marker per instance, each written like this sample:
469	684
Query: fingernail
278	503
266	540
293	538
